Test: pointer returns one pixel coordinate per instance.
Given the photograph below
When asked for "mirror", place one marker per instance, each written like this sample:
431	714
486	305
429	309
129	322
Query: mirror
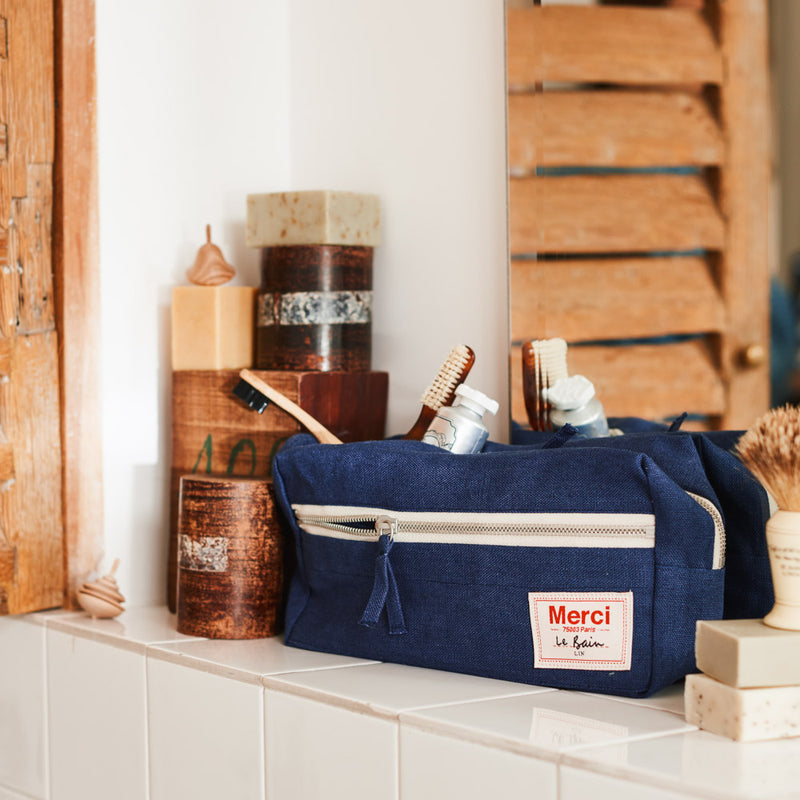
644	228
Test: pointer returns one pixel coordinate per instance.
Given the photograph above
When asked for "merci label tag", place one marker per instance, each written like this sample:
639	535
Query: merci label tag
582	630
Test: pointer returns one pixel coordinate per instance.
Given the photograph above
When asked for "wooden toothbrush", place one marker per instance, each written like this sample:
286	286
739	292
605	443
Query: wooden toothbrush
258	394
442	390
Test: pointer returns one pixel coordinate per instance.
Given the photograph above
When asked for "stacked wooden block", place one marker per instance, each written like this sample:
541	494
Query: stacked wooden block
315	299
749	686
306	332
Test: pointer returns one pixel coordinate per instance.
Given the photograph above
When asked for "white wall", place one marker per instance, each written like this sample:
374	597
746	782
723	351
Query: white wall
407	100
203	101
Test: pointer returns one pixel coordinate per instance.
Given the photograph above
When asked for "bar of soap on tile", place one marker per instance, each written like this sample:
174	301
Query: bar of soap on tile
746	715
212	327
747	653
316	217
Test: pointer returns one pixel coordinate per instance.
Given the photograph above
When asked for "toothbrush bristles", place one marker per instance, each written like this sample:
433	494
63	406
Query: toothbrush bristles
442	390
452	373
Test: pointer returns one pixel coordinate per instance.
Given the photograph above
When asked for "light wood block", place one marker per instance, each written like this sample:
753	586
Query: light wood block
746	653
317	217
212	327
746	715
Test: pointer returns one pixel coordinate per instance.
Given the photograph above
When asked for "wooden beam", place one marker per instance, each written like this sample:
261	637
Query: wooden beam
636	46
3	37
29	290
76	261
31	503
28	68
8	570
6	460
6	351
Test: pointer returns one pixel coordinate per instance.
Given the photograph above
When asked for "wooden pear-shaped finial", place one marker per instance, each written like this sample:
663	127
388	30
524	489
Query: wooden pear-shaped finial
210	267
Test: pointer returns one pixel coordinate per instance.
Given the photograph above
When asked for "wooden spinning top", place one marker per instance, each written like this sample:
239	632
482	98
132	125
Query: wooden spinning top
210	267
101	599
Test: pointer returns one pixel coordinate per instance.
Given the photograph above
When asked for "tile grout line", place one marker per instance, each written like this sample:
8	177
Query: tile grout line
559	787
483	699
46	693
147	733
265	738
399	762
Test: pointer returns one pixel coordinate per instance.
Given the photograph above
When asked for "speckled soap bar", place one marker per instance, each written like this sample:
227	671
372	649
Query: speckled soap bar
747	653
746	715
317	217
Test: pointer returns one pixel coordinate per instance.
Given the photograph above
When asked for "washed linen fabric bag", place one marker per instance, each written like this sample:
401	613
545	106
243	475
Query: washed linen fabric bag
579	564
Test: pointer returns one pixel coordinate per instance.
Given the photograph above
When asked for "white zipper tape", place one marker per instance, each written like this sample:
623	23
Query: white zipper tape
506	529
718	558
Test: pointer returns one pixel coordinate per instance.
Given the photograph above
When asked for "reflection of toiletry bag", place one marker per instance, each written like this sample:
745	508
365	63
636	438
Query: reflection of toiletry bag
584	566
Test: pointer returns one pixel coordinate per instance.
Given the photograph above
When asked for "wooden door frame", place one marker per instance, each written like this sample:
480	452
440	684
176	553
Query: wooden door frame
76	267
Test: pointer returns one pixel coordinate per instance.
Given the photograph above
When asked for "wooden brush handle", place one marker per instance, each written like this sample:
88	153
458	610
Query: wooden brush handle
303	417
530	387
424	419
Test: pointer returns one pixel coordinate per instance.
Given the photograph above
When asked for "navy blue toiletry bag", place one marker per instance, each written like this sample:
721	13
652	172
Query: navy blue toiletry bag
583	565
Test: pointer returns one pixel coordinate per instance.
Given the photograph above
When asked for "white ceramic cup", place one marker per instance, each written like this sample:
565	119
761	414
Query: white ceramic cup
783	543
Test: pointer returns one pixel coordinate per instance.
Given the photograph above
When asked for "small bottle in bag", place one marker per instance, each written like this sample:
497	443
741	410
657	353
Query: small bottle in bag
573	401
459	428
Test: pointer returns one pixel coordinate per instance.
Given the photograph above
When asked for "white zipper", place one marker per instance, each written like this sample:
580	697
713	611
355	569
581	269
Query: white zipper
718	559
507	529
609	530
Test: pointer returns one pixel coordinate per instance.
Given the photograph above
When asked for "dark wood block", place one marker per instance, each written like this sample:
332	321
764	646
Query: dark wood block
214	433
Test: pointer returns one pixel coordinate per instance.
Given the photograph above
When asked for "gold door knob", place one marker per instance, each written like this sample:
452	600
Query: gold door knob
754	355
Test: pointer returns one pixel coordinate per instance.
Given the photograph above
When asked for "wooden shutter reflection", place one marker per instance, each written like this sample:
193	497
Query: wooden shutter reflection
639	159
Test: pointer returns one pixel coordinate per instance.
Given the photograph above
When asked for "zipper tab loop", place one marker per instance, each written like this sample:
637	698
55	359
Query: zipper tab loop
386	526
384	588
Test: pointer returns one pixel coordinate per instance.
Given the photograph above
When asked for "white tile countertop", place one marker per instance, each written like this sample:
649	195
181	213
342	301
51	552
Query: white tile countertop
134	709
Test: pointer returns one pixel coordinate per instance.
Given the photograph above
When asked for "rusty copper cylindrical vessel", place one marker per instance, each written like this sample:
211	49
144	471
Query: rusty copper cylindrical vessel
314	308
230	558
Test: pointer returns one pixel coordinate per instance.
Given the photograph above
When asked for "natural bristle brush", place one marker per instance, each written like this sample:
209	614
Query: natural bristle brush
441	392
257	394
544	361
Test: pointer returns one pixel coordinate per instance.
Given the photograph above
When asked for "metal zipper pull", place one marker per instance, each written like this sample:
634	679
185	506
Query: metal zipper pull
386	526
384	588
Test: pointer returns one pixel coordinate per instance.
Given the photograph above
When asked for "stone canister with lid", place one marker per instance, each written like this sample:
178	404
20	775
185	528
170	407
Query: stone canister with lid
314	305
